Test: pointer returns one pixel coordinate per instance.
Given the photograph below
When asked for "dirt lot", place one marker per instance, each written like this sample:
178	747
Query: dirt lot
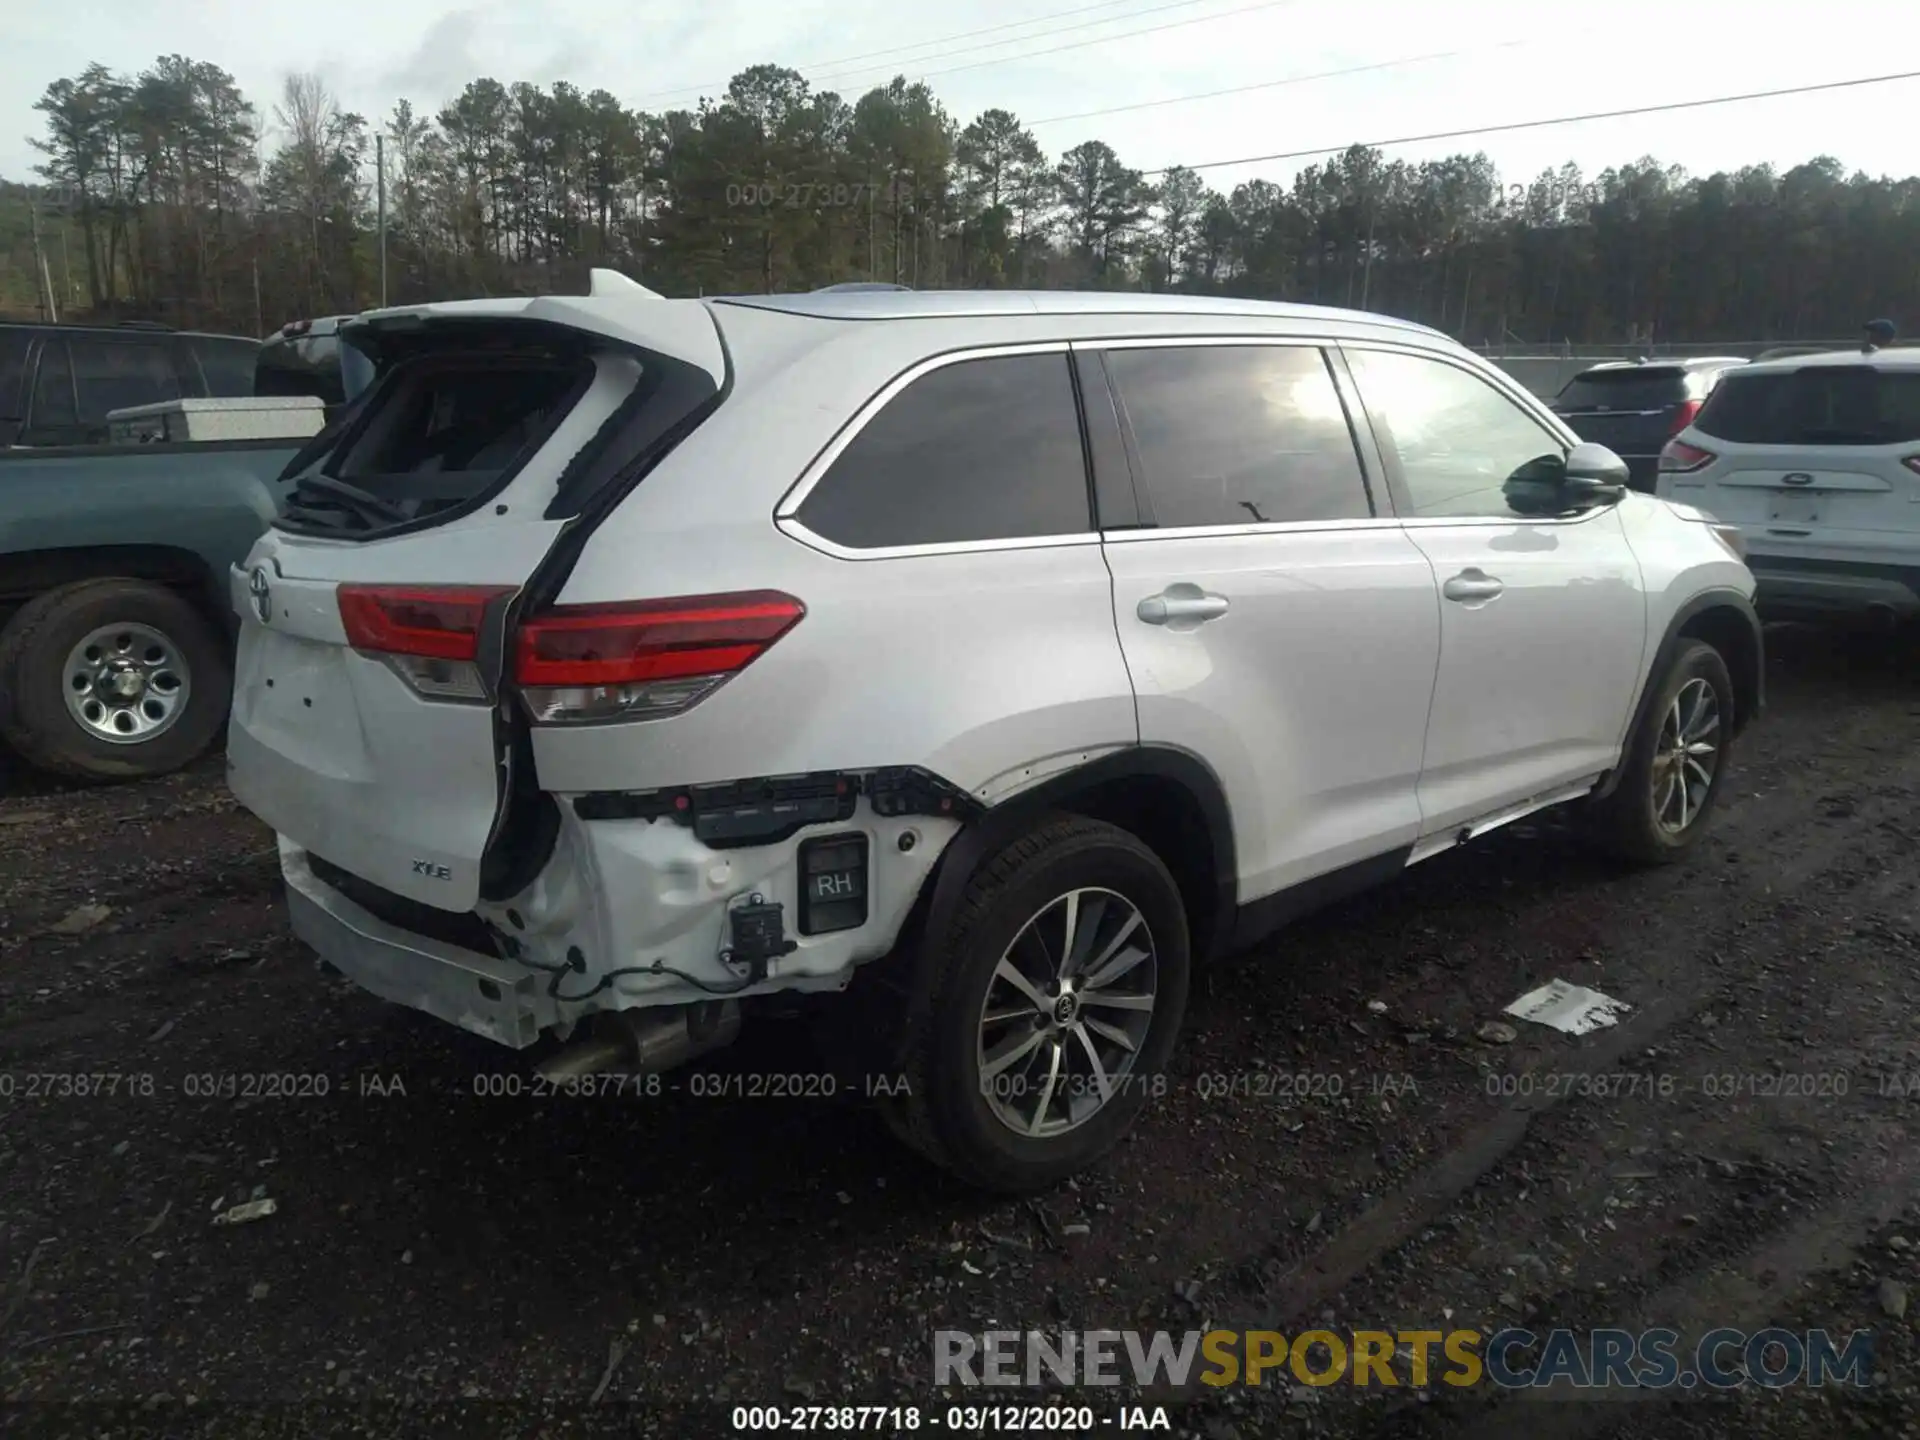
445	1260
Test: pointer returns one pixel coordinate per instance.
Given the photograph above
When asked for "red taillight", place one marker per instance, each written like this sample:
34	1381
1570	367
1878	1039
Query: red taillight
435	622
1683	417
644	659
1680	458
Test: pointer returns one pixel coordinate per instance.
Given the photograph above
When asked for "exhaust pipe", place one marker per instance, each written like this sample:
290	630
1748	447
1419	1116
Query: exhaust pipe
642	1042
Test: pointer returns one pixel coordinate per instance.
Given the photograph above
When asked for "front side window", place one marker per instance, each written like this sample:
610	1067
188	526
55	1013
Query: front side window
1239	435
1459	440
978	450
116	374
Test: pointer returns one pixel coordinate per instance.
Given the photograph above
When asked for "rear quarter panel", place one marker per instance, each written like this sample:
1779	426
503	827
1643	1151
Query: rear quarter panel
990	667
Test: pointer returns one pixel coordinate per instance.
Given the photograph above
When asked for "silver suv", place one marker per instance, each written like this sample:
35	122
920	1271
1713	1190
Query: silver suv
991	658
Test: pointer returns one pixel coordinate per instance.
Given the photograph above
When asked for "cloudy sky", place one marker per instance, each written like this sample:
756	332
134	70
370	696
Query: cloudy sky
1075	70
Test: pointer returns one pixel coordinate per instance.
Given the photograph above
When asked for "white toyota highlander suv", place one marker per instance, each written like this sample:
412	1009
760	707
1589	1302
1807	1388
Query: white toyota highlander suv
993	658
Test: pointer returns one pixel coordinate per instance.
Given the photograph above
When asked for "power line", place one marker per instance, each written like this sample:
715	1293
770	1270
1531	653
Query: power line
1104	39
1293	80
830	69
1556	120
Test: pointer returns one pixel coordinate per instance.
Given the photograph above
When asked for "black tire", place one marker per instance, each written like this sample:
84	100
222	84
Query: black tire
34	719
946	1114
1625	824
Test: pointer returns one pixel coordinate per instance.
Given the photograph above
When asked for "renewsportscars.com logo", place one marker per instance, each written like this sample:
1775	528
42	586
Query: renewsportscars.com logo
1655	1359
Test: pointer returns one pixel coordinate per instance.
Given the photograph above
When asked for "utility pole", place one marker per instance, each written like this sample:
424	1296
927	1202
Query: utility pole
380	188
259	317
42	275
896	227
1366	270
66	250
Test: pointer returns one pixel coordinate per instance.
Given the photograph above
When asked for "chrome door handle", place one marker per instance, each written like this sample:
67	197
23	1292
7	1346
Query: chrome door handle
1472	584
1181	603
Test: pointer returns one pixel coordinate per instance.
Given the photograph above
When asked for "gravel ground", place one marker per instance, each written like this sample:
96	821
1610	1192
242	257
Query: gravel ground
444	1259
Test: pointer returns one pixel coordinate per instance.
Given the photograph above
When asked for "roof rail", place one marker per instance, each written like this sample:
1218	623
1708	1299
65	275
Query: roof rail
858	285
142	325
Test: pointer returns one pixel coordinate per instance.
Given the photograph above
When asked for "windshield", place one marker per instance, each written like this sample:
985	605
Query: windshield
1819	405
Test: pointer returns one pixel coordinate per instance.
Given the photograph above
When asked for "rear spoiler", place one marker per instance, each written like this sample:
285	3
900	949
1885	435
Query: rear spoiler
612	282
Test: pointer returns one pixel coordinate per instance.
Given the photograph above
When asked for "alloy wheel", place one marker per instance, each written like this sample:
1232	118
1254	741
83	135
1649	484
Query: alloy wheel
1066	1012
1686	756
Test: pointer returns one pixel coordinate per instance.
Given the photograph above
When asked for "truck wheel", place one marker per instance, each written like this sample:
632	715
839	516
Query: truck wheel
1058	992
1674	764
111	679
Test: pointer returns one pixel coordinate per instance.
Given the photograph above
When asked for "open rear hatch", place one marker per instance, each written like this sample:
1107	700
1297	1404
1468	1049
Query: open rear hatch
369	722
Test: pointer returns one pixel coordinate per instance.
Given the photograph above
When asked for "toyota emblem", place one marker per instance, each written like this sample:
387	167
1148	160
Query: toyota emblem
262	595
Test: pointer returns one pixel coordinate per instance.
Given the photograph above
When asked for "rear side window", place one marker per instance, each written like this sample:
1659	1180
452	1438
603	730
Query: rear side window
225	365
114	374
13	371
1239	435
984	449
1818	405
1651	387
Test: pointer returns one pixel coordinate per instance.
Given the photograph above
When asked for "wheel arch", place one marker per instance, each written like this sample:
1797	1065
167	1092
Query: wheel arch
1725	619
1168	798
34	572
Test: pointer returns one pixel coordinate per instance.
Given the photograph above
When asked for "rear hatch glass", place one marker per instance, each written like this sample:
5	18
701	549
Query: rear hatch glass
441	431
1631	412
1818	405
303	365
227	366
1647	388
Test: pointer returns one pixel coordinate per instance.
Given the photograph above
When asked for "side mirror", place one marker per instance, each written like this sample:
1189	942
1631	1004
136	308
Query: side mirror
1594	475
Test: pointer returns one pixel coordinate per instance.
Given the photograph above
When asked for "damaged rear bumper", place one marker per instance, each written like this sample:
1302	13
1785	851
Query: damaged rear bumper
634	909
485	994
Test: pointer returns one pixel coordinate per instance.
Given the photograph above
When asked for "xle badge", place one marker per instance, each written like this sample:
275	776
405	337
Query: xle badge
431	870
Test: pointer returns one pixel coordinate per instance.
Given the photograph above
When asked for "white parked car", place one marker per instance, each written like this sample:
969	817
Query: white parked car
994	658
1816	459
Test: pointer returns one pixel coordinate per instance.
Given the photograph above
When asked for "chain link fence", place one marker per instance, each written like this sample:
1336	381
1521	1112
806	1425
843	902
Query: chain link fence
1545	369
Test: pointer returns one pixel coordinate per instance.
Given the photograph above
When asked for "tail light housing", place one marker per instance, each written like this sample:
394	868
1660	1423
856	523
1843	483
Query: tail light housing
1677	457
645	659
1683	417
428	635
1912	462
